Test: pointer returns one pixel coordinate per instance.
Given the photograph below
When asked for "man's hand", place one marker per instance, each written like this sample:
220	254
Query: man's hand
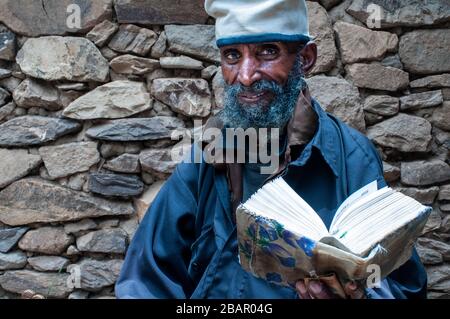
316	289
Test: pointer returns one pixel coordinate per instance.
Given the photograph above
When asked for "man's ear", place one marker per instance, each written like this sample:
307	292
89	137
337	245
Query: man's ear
309	56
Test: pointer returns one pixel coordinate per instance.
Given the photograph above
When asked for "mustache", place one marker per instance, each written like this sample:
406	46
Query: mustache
257	87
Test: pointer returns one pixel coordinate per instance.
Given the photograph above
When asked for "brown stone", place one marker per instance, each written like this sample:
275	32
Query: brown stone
102	33
360	44
403	132
190	97
63	58
133	39
425	51
68	159
46	240
377	77
321	29
130	64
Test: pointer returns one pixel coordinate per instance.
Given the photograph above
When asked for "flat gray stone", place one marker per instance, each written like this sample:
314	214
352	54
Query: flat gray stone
67	159
209	72
46	240
109	241
130	64
50	17
198	41
377	77
125	163
27	201
13	260
425	51
180	62
72	86
392	61
130	226
50	285
421	100
372	118
133	39
160	46
444	193
441	116
137	129
360	44
9	237
162	162
439	278
408	13
338	97
432	81
423	173
7	110
63	58
115	185
94	275
4	96
81	226
150	12
384	105
116	99
190	97
102	32
4	73
36	93
439	246
48	263
218	86
7	44
429	256
402	132
16	164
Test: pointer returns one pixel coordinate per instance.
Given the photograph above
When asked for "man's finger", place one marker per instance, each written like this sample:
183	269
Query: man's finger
318	290
302	290
354	291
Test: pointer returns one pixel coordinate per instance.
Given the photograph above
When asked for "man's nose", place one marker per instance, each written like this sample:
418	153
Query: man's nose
248	72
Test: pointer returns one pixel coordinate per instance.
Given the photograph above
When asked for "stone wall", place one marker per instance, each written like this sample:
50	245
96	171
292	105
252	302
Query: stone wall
87	111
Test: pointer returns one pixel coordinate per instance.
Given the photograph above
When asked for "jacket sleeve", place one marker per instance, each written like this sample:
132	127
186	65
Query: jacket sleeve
156	264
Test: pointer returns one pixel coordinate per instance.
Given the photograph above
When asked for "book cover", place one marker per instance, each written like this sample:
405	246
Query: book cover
282	255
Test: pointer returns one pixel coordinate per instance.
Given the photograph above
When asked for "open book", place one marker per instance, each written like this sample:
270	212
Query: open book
282	239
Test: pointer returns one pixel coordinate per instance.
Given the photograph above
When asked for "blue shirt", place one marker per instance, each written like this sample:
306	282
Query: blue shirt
186	245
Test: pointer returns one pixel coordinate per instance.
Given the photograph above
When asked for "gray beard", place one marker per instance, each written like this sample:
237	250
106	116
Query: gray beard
276	114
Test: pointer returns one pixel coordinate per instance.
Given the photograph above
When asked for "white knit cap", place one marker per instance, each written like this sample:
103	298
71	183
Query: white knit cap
252	21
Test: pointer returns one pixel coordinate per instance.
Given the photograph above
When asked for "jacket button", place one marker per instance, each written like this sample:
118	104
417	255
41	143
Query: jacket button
196	267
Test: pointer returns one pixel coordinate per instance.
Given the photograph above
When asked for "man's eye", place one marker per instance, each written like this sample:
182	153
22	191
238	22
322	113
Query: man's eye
269	51
232	55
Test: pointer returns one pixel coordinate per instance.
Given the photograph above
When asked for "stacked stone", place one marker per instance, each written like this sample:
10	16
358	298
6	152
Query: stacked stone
88	115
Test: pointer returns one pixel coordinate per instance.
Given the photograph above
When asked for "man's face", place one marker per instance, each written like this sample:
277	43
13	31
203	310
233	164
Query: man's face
262	84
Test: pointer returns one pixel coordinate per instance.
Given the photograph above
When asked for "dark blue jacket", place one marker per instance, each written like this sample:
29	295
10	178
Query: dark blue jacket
186	245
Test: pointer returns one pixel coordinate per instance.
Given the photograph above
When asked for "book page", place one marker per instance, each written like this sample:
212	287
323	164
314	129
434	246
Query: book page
278	201
377	215
364	191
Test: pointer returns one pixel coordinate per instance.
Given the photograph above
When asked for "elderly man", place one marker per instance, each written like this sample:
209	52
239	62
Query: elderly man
186	246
